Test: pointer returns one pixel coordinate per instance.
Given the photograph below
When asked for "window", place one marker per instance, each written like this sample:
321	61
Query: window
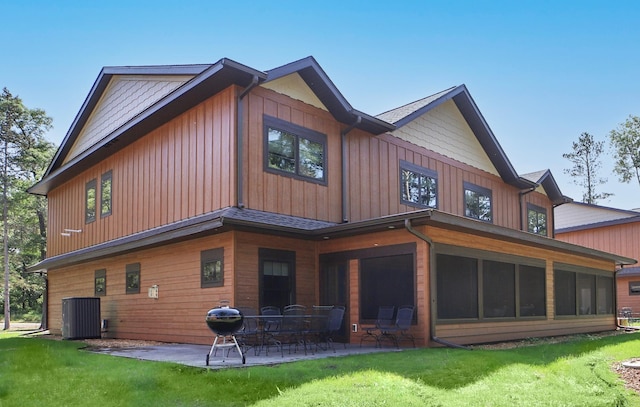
536	220
100	283
634	287
487	286
105	194
90	201
294	150
212	268
477	202
418	185
582	293
277	277
385	281
133	278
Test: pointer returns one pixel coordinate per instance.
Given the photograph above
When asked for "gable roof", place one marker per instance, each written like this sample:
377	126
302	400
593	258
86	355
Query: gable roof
469	110
548	183
208	79
313	75
582	216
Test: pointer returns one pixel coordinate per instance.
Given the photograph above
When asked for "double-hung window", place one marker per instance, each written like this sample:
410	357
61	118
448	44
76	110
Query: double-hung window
294	150
90	201
477	202
418	186
105	194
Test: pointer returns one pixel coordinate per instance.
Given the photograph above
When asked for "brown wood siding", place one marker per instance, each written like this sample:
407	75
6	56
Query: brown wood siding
270	192
182	169
623	297
178	314
374	177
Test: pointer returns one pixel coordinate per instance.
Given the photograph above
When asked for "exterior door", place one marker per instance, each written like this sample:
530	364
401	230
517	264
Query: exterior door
277	277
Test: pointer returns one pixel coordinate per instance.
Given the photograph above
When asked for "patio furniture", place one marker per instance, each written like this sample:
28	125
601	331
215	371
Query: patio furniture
333	325
400	329
383	320
249	336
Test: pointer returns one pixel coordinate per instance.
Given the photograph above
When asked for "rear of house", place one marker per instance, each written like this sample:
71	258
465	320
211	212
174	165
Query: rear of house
217	182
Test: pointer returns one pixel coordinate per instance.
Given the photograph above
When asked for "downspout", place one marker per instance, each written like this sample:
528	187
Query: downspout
343	141
520	203
432	288
239	144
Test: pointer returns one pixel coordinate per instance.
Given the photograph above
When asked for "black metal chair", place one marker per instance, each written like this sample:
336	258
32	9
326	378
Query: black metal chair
292	328
249	335
334	323
271	318
400	329
383	320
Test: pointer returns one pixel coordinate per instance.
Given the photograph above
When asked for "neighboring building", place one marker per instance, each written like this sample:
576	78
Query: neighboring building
223	182
611	230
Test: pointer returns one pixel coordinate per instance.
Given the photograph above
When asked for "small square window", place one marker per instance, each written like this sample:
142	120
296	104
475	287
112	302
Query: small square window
212	268
100	283
634	287
133	278
477	202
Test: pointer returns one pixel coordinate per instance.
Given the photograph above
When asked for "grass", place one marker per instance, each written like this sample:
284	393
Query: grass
36	371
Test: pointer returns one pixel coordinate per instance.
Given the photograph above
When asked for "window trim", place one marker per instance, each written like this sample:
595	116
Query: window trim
636	284
539	211
467	186
100	274
106	176
132	269
91	185
298	132
426	172
207	256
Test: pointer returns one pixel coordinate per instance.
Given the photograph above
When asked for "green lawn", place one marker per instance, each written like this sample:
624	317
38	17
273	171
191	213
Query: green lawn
36	371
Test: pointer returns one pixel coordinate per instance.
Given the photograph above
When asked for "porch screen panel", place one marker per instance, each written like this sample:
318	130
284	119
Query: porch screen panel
532	291
385	281
498	287
565	292
457	287
605	295
586	284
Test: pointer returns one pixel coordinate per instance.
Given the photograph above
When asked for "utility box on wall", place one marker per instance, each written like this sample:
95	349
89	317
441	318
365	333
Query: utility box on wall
81	318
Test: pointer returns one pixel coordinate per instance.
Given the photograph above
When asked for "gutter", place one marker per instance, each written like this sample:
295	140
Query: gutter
239	144
343	141
432	288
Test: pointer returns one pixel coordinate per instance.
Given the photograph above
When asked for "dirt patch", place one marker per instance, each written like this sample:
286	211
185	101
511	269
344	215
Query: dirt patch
120	343
547	340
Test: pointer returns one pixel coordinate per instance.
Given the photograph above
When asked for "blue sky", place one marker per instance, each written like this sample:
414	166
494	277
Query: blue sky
541	72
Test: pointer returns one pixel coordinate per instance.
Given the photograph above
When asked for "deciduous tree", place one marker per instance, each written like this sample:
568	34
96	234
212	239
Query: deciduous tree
625	140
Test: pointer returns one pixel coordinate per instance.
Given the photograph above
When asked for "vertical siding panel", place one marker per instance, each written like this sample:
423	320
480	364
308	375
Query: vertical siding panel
207	162
228	185
193	162
217	176
170	160
184	168
386	174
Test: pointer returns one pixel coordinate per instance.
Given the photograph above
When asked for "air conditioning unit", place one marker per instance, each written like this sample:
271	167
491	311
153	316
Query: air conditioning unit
81	318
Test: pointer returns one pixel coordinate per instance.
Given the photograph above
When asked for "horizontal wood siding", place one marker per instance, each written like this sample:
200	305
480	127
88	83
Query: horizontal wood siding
374	181
179	312
182	169
278	193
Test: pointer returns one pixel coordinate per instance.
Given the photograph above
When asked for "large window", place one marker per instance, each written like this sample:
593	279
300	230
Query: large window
582	292
487	286
477	201
90	201
387	281
212	268
418	185
536	220
105	194
294	150
132	278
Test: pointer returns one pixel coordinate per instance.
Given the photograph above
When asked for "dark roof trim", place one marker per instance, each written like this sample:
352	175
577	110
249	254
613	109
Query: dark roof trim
320	83
469	110
210	81
550	186
270	223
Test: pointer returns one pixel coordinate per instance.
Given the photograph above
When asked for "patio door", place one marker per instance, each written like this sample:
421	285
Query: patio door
334	286
277	277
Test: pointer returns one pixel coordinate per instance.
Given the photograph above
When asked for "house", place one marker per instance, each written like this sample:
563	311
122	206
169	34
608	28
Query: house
609	229
178	187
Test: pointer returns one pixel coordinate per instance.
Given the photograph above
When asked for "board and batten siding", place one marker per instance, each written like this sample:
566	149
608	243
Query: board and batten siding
374	181
182	169
270	192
